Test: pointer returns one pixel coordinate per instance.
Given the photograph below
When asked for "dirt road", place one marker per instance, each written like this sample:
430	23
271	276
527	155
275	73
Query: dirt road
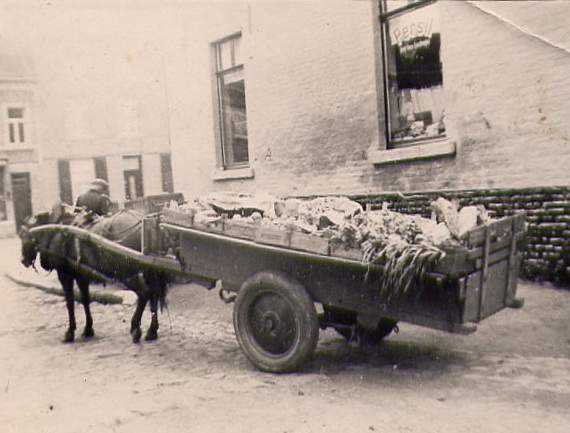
513	375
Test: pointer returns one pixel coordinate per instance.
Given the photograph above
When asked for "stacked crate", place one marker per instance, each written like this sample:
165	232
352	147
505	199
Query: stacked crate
277	236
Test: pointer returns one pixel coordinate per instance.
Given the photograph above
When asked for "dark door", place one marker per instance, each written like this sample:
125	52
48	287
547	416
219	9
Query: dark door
133	184
22	197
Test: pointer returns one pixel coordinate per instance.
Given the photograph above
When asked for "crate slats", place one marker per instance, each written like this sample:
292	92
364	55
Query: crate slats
240	230
351	253
273	236
312	244
493	240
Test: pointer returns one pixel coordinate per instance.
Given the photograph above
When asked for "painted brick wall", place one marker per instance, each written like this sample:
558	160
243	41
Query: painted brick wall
312	101
547	211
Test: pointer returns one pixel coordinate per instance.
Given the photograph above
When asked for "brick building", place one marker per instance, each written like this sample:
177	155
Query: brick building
305	98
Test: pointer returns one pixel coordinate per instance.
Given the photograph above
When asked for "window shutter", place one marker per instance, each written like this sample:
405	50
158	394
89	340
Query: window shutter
65	191
101	168
166	169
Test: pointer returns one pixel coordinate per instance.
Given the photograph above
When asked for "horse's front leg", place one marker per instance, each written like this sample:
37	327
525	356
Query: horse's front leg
152	332
83	284
66	281
137	316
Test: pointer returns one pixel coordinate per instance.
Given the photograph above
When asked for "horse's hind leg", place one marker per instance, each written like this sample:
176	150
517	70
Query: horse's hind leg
137	316
84	289
152	332
66	281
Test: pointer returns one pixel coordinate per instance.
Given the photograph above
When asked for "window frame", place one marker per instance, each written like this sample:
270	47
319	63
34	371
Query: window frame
24	121
383	18
220	125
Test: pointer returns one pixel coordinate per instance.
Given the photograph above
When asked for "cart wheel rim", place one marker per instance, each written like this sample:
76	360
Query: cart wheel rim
272	324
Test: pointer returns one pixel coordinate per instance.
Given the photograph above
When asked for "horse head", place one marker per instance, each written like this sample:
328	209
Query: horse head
60	213
29	242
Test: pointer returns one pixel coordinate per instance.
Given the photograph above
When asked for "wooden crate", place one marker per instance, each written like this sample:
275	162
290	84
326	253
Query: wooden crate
240	230
273	236
351	253
309	243
213	227
177	217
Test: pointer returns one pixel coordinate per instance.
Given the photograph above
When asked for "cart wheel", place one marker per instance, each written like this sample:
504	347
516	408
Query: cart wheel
275	322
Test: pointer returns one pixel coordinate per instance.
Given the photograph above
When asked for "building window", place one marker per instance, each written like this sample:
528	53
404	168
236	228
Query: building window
166	170
231	102
100	164
132	170
3	207
413	78
16	125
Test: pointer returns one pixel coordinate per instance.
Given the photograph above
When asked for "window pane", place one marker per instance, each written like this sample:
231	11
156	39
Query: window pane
237	51
100	164
414	75
235	148
166	169
226	55
15	113
131	162
21	132
12	133
3	210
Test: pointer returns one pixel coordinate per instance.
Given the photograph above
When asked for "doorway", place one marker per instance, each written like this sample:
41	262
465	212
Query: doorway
133	176
21	197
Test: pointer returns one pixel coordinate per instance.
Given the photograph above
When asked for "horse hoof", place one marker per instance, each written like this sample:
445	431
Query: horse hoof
151	335
69	337
88	333
136	333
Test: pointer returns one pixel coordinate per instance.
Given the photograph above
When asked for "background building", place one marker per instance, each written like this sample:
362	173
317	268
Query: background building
81	97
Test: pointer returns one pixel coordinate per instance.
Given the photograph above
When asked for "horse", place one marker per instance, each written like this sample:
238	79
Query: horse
61	252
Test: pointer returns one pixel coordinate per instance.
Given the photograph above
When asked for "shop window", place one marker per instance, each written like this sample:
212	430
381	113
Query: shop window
413	72
230	87
132	171
16	125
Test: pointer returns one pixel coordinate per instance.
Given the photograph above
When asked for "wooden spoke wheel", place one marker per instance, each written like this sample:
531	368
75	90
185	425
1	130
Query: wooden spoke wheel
275	322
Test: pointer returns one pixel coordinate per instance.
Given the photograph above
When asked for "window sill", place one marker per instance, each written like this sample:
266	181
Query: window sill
429	150
233	173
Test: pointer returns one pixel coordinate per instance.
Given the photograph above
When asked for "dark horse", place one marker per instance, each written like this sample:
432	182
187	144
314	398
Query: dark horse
62	252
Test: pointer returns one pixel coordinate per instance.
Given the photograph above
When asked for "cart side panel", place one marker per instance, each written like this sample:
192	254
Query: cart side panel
471	308
493	286
233	263
334	282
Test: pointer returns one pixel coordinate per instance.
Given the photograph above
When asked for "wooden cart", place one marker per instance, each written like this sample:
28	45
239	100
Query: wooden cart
278	281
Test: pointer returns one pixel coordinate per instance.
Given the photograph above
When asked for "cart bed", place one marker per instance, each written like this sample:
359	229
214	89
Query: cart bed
468	285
